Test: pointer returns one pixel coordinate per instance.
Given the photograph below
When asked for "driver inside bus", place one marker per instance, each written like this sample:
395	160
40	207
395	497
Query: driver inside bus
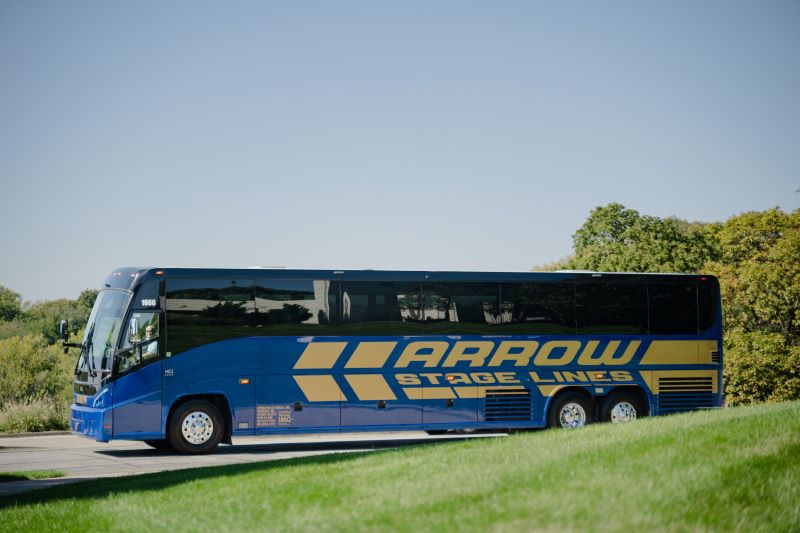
150	349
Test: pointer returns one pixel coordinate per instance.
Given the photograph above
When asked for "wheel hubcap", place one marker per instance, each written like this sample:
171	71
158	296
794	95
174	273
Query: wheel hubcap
623	412
197	427
572	415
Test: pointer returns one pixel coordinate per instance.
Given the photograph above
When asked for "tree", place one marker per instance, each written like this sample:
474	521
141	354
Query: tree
759	271
755	255
87	297
10	307
617	239
44	317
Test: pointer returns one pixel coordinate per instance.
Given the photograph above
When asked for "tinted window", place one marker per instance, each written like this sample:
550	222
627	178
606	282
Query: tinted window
294	307
611	307
673	308
451	308
380	308
708	301
204	311
538	307
141	335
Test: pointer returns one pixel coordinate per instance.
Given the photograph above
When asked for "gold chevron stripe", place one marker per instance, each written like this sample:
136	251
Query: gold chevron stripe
370	355
320	355
320	388
370	386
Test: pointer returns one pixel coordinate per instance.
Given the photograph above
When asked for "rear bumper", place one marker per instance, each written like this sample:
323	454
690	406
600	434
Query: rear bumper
91	422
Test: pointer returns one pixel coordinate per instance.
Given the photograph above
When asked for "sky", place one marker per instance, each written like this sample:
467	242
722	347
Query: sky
385	135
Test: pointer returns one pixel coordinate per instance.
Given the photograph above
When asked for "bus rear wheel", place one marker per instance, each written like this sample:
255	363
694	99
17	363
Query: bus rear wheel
621	407
196	427
570	411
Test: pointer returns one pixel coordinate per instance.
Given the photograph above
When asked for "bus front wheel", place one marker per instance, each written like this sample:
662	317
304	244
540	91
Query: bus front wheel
570	410
196	427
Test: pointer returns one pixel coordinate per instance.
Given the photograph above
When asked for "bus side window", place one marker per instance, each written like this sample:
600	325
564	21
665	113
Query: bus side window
673	308
204	311
295	307
380	308
463	307
538	307
609	308
708	300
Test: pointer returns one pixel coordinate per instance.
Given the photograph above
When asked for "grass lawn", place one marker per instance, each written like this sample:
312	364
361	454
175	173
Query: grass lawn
730	470
30	474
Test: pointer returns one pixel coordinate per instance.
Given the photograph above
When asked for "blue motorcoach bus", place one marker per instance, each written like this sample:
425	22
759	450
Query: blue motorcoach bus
188	358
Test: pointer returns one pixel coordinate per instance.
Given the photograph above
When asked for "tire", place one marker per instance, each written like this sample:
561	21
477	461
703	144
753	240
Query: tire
621	407
196	427
160	444
570	411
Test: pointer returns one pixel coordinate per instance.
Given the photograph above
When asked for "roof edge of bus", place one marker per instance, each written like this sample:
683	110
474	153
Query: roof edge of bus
338	271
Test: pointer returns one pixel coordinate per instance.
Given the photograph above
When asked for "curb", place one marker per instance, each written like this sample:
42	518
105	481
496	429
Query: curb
33	434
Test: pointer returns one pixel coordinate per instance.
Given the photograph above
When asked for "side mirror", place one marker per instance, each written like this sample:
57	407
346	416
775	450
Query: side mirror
133	330
63	331
63	334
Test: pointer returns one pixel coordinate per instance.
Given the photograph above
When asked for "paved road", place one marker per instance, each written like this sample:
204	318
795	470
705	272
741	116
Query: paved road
83	459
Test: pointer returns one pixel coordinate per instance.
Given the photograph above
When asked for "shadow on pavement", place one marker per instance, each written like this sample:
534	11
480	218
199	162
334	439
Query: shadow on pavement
111	486
287	447
105	487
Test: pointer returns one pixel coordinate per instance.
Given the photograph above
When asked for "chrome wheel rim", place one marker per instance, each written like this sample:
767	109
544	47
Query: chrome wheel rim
623	412
197	427
572	415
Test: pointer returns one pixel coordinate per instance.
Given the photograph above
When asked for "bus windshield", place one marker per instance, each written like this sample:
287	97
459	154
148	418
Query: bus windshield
100	340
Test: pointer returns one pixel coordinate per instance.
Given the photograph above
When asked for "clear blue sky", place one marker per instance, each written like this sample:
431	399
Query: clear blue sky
405	135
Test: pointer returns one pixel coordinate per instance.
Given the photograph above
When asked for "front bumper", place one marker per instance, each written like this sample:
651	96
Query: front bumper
92	422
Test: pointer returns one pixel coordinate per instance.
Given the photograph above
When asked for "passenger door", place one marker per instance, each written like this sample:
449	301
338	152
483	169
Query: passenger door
137	389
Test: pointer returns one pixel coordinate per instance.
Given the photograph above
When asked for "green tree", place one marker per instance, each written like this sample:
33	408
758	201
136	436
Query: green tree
617	239
755	255
759	271
10	307
87	297
44	317
760	367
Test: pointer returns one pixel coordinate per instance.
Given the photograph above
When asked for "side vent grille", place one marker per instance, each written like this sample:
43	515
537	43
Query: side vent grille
503	405
685	394
715	357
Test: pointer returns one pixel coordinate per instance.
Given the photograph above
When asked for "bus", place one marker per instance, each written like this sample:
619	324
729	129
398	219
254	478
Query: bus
187	358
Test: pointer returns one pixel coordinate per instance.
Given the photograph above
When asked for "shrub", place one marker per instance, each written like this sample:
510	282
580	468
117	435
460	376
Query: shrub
44	414
30	368
760	367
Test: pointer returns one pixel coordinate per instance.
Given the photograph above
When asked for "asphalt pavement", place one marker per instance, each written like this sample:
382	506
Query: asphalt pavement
84	459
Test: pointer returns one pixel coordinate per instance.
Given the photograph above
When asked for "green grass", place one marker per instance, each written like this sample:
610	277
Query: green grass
30	474
731	470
